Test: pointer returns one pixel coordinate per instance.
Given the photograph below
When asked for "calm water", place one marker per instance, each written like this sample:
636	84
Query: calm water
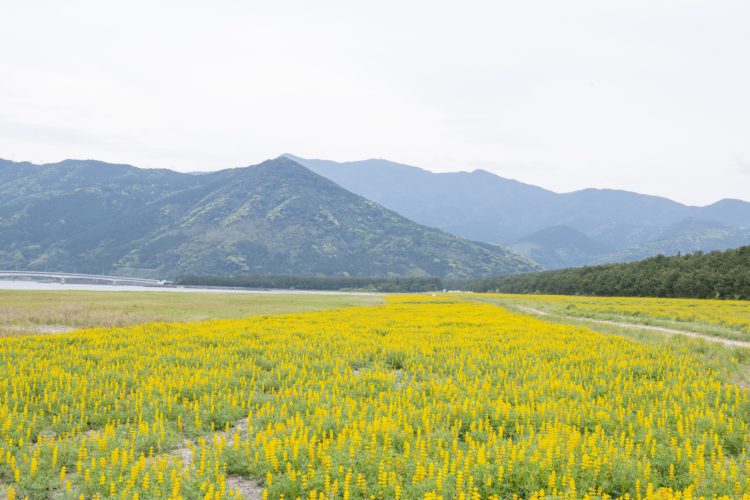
33	285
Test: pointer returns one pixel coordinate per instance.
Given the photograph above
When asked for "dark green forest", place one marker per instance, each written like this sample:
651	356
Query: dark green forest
714	275
316	283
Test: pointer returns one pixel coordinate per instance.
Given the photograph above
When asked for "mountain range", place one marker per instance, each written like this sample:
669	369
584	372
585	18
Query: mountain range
556	229
293	215
274	218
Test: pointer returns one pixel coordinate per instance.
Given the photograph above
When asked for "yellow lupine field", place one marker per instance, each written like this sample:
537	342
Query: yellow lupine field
420	397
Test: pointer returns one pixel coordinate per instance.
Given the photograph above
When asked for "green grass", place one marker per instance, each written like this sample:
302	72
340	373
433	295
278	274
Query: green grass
23	312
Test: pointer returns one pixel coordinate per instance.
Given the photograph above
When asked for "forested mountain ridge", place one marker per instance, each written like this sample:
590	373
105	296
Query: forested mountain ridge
274	218
486	207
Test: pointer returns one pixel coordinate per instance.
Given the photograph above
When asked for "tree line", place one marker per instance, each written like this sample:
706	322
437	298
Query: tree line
426	284
714	275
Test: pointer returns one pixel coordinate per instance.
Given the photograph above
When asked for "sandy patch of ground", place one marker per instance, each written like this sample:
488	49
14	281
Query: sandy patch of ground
247	488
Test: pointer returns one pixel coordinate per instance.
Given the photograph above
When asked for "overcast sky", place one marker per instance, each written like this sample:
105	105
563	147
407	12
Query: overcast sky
645	95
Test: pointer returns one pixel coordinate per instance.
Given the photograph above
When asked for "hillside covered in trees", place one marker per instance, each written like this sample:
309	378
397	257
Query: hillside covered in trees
273	218
723	275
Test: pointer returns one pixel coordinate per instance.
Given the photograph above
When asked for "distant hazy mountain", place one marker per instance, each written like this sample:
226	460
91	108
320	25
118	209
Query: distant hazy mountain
561	246
685	237
734	213
477	205
486	207
276	217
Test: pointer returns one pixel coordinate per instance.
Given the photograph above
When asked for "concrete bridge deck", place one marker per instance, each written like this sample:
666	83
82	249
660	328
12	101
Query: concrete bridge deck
79	278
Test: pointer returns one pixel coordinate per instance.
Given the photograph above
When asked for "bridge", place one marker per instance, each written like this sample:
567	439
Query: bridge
79	278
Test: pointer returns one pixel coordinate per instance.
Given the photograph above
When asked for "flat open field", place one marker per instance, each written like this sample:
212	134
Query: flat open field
23	312
419	397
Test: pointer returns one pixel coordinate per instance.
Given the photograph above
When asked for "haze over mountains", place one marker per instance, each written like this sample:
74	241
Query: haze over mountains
274	218
557	230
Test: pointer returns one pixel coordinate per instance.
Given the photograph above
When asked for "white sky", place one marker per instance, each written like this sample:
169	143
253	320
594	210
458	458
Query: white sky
645	95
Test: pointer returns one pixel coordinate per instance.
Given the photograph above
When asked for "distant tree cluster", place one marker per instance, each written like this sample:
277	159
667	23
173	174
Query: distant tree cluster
428	284
715	275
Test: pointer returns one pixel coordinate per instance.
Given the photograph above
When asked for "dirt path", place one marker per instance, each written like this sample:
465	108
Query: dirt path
660	329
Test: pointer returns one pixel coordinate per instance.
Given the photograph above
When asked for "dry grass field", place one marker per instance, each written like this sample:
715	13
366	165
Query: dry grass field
25	312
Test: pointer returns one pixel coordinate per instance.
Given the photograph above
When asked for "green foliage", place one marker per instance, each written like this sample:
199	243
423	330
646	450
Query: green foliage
715	275
316	283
